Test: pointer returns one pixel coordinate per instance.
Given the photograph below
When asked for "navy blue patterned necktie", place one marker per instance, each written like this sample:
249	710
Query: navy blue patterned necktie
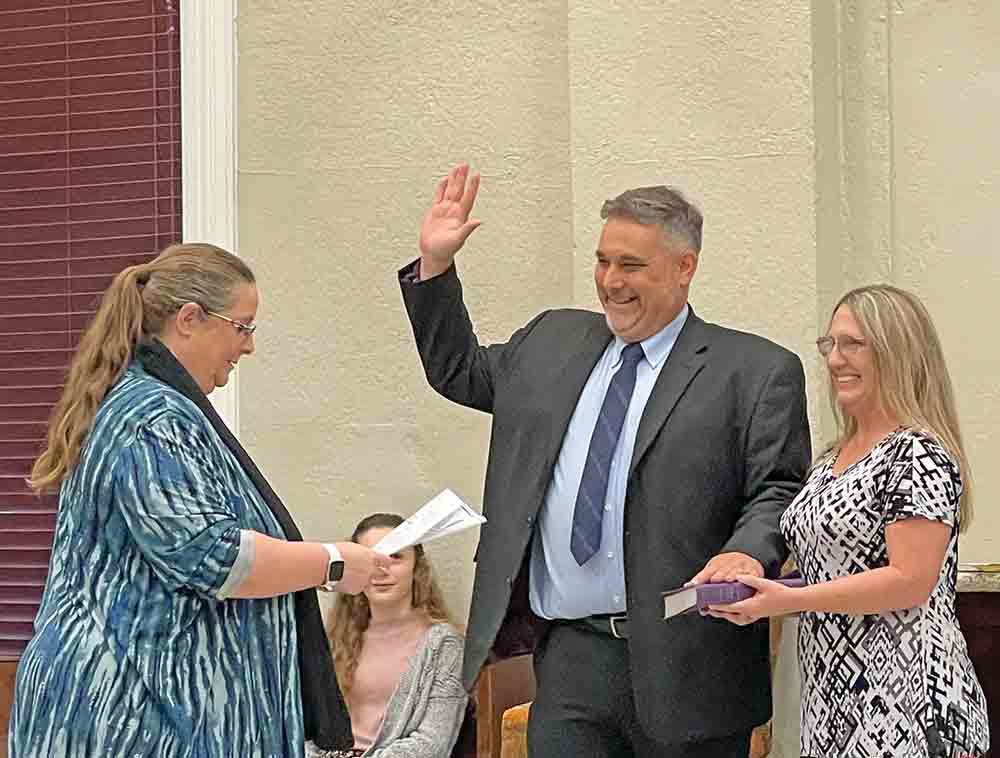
586	537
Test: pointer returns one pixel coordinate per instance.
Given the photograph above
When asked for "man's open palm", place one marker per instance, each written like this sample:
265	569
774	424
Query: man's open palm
446	225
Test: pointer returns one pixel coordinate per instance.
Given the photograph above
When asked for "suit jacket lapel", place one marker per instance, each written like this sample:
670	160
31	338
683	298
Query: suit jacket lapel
575	371
684	362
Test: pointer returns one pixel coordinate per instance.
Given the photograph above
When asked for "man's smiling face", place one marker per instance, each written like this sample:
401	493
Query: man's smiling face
642	284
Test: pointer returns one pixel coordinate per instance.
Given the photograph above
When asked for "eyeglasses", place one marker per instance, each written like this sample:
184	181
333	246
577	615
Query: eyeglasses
245	330
846	345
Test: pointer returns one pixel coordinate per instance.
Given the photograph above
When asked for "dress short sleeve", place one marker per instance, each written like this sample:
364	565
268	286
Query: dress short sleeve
177	508
923	482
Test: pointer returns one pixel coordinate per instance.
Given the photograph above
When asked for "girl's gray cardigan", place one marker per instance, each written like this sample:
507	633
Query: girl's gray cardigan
426	709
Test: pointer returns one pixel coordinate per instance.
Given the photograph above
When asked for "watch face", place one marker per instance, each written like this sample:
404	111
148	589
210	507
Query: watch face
335	572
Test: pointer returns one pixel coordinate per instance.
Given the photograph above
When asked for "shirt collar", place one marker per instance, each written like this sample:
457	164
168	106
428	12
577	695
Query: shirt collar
657	347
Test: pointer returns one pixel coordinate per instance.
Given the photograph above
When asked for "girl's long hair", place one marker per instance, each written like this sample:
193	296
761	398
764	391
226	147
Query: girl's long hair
351	614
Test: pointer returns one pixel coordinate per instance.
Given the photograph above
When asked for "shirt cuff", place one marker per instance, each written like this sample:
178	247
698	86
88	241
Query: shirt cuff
241	566
411	274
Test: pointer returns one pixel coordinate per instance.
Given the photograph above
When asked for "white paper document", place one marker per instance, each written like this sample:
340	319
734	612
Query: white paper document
445	514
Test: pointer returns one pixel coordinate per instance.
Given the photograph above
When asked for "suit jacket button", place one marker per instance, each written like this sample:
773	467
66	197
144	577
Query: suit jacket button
530	520
510	580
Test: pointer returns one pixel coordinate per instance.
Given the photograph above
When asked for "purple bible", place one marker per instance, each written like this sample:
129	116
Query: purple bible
698	597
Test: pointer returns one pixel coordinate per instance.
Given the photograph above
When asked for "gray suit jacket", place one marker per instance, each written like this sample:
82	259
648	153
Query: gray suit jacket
722	448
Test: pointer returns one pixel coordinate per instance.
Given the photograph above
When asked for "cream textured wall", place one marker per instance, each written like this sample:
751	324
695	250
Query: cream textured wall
348	114
946	164
829	143
907	183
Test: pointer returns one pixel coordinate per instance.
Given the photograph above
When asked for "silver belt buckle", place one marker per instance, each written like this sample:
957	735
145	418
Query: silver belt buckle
614	629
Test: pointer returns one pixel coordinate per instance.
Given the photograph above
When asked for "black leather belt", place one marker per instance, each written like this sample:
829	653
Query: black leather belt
611	625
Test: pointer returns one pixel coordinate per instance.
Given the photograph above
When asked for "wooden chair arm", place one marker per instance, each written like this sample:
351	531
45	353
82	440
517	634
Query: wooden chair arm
501	685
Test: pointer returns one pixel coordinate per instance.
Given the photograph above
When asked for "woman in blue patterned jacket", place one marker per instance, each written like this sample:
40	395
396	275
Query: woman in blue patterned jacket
179	617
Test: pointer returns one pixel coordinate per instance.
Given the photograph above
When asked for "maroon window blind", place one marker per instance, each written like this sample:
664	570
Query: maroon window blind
89	184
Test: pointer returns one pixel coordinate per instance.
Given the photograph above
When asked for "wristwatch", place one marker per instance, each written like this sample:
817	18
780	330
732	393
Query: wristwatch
335	569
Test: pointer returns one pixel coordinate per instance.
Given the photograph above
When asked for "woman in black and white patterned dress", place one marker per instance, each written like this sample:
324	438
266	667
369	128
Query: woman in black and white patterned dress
884	667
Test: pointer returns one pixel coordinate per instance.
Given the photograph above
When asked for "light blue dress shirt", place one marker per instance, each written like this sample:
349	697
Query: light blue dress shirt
559	588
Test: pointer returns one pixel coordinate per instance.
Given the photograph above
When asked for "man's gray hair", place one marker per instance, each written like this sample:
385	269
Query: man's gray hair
664	206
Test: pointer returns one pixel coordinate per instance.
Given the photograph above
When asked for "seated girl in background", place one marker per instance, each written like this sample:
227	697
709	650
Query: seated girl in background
398	657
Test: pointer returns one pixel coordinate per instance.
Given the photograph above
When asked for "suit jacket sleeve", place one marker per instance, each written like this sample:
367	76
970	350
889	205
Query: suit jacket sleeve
455	364
778	452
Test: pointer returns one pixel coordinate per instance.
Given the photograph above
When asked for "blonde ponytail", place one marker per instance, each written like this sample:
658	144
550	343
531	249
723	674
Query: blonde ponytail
135	307
104	352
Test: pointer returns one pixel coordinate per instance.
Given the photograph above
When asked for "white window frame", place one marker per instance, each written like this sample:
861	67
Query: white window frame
208	142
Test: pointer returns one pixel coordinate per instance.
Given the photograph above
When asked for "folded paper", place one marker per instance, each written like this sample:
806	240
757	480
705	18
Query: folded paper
445	514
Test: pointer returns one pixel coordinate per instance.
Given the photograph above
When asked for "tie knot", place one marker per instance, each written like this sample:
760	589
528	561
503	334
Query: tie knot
632	353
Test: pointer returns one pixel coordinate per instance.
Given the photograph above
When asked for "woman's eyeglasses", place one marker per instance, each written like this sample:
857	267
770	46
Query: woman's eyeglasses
846	345
245	330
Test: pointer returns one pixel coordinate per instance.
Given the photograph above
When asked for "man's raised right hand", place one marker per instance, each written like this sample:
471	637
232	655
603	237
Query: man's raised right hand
446	224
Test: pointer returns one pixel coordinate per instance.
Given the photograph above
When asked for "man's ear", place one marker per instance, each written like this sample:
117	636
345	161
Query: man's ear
187	319
688	265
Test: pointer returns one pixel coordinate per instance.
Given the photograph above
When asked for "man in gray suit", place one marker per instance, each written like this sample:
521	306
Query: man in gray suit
630	452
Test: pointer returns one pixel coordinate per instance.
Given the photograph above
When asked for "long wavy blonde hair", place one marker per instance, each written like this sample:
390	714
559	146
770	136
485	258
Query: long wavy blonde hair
913	380
136	307
352	614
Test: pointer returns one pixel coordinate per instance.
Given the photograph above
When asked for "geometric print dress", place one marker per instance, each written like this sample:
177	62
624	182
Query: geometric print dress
897	684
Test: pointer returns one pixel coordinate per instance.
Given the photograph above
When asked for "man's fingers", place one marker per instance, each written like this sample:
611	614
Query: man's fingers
754	567
439	190
449	188
456	182
726	567
469	198
729	570
712	572
698	578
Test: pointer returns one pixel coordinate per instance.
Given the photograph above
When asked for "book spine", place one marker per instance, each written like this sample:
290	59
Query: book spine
725	593
722	594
